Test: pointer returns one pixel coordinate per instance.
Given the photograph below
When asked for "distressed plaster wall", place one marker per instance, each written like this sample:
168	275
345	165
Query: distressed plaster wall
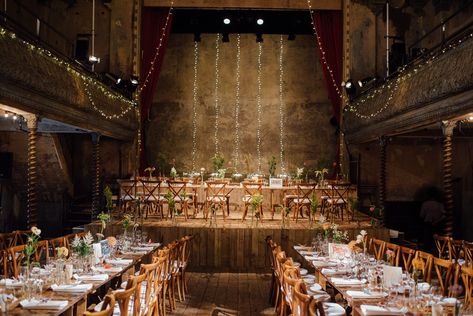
309	137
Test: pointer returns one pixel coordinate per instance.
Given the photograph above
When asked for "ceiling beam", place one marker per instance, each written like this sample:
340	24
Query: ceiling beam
248	4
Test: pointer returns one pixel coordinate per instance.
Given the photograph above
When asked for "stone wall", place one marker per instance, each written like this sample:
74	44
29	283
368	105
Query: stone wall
309	136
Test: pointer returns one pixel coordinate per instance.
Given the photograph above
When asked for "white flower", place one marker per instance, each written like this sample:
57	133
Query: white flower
363	233
202	170
35	230
89	239
173	170
322	219
359	239
76	242
300	171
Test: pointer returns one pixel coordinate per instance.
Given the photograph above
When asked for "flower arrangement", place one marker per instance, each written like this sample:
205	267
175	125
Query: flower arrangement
418	268
339	236
217	161
320	174
104	218
83	246
299	173
272	166
389	256
107	193
362	238
256	202
126	221
173	173
32	244
62	252
112	241
150	171
169	197
221	173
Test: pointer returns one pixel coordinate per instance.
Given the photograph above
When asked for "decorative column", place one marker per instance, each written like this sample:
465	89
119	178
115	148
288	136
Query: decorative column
32	185
382	170
447	128
95	175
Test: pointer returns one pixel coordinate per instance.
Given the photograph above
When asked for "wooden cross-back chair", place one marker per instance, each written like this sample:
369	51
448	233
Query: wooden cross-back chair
443	273
162	282
215	196
21	236
337	200
376	248
301	299
467	278
185	255
107	307
15	256
178	190
136	308
290	278
426	267
152	199
56	243
7	240
249	190
70	237
127	193
406	256
396	250
149	301
123	297
456	248
305	193
468	252
443	246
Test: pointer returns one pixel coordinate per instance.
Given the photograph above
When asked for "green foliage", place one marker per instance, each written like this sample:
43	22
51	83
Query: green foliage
256	202
354	203
314	203
107	193
217	161
171	201
162	164
126	221
272	166
83	246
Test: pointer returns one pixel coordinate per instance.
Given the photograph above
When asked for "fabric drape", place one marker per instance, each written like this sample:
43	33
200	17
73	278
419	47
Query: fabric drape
152	27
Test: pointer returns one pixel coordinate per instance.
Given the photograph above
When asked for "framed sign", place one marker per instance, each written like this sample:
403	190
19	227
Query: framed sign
275	182
337	250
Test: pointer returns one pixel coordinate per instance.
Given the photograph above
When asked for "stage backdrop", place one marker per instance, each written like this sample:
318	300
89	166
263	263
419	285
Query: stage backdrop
310	138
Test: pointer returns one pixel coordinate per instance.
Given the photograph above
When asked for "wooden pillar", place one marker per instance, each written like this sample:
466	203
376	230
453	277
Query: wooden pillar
95	175
447	128
32	187
382	171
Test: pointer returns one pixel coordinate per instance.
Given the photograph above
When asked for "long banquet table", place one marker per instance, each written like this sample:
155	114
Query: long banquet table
77	302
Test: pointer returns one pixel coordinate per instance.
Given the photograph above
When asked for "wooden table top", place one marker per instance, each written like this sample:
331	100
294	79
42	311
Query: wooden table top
74	298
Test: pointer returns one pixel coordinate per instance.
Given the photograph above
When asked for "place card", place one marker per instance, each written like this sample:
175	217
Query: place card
338	250
275	183
392	275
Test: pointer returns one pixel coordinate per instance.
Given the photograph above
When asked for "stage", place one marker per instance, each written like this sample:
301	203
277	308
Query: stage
234	245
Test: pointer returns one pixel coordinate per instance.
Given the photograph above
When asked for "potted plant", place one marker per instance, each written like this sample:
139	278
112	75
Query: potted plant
256	202
104	218
272	166
217	161
107	193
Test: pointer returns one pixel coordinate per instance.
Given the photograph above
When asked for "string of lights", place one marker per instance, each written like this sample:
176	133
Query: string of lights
194	104
217	52
258	106
281	105
144	82
237	106
100	111
89	81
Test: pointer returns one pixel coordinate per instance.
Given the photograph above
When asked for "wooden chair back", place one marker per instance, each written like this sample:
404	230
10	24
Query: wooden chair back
301	300
137	295
424	259
21	236
456	249
377	248
123	297
406	256
150	190
150	298
56	243
443	273
394	260
467	278
42	251
443	244
305	191
252	188
290	278
216	189
468	253
7	240
127	190
107	307
13	260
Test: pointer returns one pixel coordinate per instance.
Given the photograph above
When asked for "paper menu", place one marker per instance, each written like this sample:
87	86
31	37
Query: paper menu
392	275
338	250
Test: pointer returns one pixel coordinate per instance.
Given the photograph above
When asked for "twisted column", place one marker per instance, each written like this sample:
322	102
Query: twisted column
95	175
382	171
447	127
32	184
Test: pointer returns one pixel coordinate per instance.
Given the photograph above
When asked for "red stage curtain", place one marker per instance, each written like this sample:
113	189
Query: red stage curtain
153	21
329	26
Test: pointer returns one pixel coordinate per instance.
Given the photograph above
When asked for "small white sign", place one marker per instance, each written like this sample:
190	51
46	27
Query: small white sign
275	183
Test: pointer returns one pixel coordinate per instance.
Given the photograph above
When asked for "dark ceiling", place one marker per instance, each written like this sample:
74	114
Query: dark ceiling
241	21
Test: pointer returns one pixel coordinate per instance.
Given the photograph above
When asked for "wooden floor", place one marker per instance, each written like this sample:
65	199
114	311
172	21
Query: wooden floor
226	294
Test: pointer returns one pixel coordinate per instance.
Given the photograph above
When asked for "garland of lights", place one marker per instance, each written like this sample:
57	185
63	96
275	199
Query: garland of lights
72	71
194	105
281	105
258	107
237	106
217	51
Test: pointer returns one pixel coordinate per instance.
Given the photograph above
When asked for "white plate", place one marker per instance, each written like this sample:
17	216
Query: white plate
316	287
296	264
303	272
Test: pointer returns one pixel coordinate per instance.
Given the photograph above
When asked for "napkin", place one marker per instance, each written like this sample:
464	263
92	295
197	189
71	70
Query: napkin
11	283
91	277
341	281
107	270
134	253
151	244
380	310
329	272
142	248
49	304
120	262
74	288
321	264
316	287
303	272
362	294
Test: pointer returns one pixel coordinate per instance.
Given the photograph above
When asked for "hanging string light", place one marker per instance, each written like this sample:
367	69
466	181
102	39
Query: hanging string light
281	105
217	51
144	83
258	106
100	111
237	106
194	105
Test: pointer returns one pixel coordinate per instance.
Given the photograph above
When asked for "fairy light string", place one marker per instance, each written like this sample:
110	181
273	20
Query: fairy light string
258	107
216	104
281	105
194	104
237	106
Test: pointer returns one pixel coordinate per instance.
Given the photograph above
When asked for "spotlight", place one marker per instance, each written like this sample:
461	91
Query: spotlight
349	87
366	81
226	21
134	80
470	118
119	80
6	115
94	59
15	117
260	21
259	38
196	37
225	38
291	37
